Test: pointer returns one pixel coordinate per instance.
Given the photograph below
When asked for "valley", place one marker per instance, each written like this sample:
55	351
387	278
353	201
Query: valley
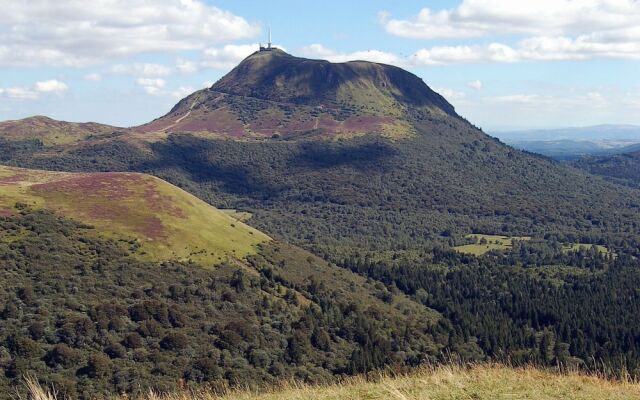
304	220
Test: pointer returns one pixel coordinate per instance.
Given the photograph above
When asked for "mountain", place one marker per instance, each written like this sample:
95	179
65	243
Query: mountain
589	133
157	219
274	93
565	150
573	143
365	220
51	132
363	192
622	167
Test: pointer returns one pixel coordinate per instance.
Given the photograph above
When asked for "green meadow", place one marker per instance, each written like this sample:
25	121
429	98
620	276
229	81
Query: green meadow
486	243
157	220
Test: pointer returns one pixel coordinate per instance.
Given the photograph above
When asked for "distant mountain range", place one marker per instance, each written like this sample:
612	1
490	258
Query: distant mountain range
573	143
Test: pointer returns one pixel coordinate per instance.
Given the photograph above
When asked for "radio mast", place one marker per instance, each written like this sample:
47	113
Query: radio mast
268	48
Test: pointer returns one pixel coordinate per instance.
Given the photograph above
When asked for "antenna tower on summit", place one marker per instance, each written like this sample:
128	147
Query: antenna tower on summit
268	48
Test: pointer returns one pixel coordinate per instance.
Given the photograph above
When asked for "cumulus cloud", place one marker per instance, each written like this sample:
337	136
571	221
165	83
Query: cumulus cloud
186	66
227	56
544	30
319	51
477	18
477	85
517	98
152	86
158	87
141	69
21	93
78	33
94	76
560	107
181	92
450	94
438	55
51	86
592	100
530	49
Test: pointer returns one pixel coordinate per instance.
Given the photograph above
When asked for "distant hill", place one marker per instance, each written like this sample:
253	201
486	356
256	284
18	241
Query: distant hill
625	167
52	132
589	133
574	149
161	221
573	143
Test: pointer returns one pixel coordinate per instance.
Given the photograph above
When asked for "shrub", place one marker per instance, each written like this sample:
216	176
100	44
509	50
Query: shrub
97	366
115	350
133	341
174	341
62	355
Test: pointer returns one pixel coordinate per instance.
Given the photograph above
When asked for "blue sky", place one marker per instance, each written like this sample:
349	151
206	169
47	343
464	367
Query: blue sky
503	65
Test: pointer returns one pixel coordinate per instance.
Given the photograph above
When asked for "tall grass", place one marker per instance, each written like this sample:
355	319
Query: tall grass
37	392
483	381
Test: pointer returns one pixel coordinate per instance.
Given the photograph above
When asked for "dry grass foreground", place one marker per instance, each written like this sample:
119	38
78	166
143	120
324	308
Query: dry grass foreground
437	383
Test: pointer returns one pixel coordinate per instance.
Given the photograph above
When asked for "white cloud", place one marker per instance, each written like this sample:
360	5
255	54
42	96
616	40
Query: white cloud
477	85
141	69
450	94
443	55
152	86
558	106
51	86
592	100
518	98
477	18
93	77
182	66
181	92
186	66
78	33
530	49
228	56
319	51
21	93
157	87
545	30
631	100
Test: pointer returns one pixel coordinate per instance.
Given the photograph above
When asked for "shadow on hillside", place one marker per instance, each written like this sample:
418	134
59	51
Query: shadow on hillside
357	155
235	168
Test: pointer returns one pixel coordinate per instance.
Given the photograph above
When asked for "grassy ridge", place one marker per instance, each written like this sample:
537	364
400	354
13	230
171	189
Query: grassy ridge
161	221
51	132
446	382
